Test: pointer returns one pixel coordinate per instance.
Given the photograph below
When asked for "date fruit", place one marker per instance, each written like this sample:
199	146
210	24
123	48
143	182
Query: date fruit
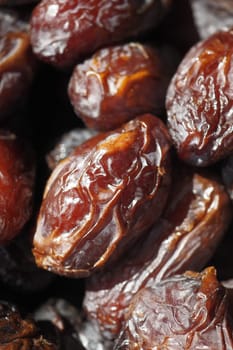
64	32
117	84
188	311
102	197
17	181
197	215
199	103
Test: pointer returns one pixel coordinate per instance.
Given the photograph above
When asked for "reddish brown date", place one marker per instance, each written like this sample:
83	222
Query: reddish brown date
212	15
199	102
17	69
17	169
188	311
63	32
118	83
102	197
17	332
186	236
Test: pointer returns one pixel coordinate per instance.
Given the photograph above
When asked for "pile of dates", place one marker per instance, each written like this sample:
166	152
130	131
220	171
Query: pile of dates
116	174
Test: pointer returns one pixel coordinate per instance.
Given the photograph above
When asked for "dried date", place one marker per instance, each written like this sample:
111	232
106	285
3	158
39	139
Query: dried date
102	197
188	311
118	83
196	217
63	33
17	181
199	103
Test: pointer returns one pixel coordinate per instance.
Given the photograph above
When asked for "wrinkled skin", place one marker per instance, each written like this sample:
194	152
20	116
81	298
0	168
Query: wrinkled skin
102	197
212	15
188	311
17	168
117	84
66	144
64	32
17	332
199	102
186	236
17	70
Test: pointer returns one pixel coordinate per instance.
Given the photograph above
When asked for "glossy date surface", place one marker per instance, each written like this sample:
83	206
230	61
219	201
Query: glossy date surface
199	101
102	197
64	32
118	83
188	311
197	215
17	181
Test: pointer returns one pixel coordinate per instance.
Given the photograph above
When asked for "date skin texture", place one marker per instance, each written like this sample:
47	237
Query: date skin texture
188	311
64	32
199	101
117	84
196	217
102	197
17	169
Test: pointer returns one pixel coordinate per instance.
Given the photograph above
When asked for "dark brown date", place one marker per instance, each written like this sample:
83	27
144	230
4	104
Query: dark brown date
18	332
212	15
62	33
66	143
186	236
188	311
17	181
102	197
117	84
17	70
199	103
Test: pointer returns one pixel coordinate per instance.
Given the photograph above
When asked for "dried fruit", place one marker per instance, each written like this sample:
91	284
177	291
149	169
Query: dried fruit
199	103
119	83
63	33
197	215
17	181
102	197
188	311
